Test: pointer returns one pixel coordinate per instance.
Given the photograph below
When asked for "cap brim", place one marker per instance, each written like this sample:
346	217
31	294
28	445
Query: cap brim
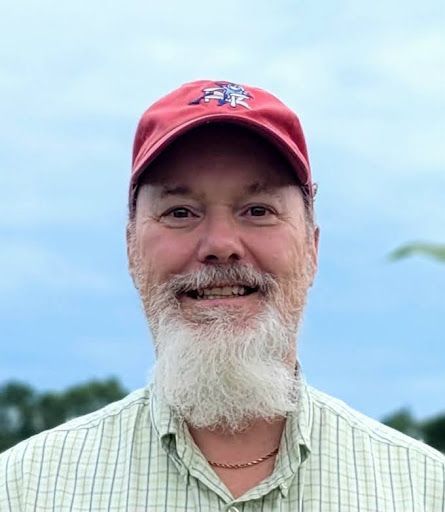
289	150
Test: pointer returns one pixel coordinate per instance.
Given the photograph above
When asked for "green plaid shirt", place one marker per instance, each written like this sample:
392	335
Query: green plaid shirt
135	456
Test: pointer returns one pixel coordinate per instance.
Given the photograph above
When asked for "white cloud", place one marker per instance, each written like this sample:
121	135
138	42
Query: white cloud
382	100
415	62
25	265
112	351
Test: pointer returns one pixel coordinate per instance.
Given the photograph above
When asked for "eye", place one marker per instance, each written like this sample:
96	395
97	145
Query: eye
260	214
179	213
180	217
258	210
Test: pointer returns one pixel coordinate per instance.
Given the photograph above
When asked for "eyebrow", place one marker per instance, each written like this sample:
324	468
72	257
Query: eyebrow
257	187
179	190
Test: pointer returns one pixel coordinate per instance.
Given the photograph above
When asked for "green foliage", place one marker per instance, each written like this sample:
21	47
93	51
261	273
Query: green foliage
16	413
430	431
436	251
434	432
403	421
25	412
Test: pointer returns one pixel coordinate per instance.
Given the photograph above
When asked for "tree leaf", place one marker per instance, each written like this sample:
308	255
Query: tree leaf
436	251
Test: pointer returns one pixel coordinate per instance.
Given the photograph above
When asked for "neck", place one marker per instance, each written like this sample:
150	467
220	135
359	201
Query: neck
258	439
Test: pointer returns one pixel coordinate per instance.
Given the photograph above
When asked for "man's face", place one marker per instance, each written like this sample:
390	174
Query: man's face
222	255
222	196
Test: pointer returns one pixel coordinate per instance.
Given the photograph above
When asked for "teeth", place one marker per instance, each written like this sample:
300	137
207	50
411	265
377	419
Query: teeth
218	292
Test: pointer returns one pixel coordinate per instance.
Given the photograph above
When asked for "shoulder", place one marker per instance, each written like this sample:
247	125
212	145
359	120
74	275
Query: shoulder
114	418
109	427
336	415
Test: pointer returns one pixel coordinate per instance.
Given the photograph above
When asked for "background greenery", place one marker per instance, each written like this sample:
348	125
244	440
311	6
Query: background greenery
435	251
25	412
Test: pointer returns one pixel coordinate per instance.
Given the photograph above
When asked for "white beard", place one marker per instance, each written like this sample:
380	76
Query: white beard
220	369
222	375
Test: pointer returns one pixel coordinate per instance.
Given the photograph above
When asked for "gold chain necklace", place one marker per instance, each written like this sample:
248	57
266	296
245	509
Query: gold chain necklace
244	464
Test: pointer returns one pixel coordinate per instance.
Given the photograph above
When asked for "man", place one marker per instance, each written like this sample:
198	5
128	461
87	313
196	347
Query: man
222	248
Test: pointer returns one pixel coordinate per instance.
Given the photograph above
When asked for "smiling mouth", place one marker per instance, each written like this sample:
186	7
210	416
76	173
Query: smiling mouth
221	292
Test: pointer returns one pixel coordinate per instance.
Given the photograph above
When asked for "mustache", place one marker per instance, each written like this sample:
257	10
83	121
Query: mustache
221	275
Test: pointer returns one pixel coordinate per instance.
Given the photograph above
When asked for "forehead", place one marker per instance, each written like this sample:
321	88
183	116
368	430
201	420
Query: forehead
216	152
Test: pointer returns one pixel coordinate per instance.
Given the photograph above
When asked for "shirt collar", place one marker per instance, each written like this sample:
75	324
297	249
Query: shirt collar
163	420
298	425
301	419
295	445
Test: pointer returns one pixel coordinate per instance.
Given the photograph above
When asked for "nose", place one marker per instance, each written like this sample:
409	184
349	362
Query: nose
220	241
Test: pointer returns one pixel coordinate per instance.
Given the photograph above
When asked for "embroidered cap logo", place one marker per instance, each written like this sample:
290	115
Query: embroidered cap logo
225	93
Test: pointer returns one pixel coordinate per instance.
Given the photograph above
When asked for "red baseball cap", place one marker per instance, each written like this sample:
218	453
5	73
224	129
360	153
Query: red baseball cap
205	101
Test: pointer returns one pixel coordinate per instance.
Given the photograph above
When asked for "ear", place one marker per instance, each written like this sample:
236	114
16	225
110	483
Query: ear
314	244
131	251
316	240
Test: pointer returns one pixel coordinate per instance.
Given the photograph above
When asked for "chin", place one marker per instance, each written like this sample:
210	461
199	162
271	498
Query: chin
230	311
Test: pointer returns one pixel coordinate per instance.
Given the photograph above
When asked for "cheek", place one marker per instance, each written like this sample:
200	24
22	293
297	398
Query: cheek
164	255
278	252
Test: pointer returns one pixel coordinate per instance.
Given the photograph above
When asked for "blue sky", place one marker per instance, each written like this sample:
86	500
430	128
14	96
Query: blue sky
366	78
